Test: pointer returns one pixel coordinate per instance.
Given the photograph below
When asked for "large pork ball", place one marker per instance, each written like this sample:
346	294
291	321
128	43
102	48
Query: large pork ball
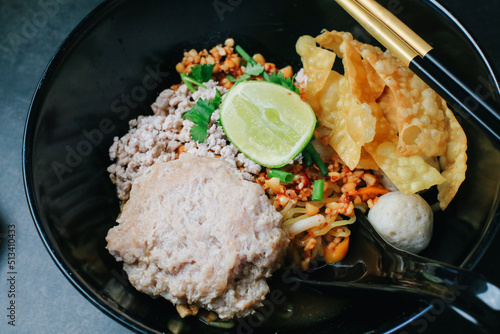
405	221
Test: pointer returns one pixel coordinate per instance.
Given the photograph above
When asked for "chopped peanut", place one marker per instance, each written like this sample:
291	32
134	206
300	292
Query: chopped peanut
287	72
348	187
370	179
311	209
269	67
180	67
274	185
259	59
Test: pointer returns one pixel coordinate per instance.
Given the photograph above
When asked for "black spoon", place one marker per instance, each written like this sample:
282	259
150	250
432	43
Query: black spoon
373	265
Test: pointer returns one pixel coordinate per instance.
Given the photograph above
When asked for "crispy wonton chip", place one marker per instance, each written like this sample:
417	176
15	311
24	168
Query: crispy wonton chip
332	40
454	162
360	122
364	82
381	115
360	86
336	120
389	108
409	174
317	64
420	116
366	161
328	99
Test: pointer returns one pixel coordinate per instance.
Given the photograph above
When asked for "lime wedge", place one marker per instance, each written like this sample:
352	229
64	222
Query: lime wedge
268	123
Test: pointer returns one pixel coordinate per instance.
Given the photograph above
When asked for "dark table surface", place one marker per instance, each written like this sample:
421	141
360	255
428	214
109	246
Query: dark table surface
45	301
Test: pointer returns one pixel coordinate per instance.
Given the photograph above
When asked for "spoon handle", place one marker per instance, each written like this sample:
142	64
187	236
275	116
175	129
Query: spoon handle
466	292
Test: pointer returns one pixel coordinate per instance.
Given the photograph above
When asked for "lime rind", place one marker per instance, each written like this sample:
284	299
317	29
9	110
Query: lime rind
268	123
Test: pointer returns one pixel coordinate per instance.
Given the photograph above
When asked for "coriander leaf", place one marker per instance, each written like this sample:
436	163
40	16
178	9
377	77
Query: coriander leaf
244	77
254	69
198	133
200	115
216	100
285	82
201	72
231	78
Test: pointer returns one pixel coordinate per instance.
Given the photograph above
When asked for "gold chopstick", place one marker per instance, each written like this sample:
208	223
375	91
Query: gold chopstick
399	28
387	29
422	59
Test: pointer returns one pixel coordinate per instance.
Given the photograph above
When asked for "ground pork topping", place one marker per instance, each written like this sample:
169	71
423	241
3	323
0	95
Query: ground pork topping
195	232
163	136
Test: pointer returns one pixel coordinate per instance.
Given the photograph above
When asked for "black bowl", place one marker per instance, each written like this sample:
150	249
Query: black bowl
110	69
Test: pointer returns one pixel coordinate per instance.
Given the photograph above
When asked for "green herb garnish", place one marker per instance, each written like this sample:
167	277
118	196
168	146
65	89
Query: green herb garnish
251	62
202	73
307	158
200	115
318	187
199	74
284	177
278	78
316	158
255	69
187	80
252	70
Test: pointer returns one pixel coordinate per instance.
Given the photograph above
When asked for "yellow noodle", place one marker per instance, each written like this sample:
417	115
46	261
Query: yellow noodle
286	208
289	215
302	224
291	221
341	232
333	224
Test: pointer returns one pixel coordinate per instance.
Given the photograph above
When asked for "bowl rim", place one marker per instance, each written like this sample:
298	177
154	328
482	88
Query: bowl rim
78	32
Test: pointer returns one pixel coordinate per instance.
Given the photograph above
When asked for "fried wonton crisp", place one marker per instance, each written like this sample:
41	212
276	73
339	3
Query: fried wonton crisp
317	64
382	115
454	162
